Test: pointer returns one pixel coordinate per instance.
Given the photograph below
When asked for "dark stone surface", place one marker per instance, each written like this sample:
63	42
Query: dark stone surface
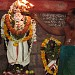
3	58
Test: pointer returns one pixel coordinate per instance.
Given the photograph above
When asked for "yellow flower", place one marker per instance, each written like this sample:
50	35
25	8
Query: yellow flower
43	45
45	64
27	71
54	74
46	67
44	61
15	44
46	40
9	38
59	43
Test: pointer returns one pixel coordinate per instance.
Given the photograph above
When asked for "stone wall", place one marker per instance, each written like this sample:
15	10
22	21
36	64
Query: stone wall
36	62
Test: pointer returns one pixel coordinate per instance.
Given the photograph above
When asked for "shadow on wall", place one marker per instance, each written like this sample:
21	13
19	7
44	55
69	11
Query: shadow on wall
3	57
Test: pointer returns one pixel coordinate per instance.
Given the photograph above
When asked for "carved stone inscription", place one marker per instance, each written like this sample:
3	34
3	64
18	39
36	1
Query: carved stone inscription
53	19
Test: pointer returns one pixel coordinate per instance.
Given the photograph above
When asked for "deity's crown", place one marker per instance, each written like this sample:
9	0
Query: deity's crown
20	6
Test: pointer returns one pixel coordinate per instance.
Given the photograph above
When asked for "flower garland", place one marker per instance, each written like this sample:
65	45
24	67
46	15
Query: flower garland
43	54
17	32
20	40
33	22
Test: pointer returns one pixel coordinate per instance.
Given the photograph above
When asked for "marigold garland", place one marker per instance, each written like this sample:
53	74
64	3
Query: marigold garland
12	30
43	55
20	40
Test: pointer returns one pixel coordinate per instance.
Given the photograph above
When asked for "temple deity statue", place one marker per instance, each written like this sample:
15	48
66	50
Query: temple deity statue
18	31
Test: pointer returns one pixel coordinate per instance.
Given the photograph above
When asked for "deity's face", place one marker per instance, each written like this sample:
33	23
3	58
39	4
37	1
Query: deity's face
18	16
19	21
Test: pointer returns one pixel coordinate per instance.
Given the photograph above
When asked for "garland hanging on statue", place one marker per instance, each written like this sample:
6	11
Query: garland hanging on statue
20	40
17	32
